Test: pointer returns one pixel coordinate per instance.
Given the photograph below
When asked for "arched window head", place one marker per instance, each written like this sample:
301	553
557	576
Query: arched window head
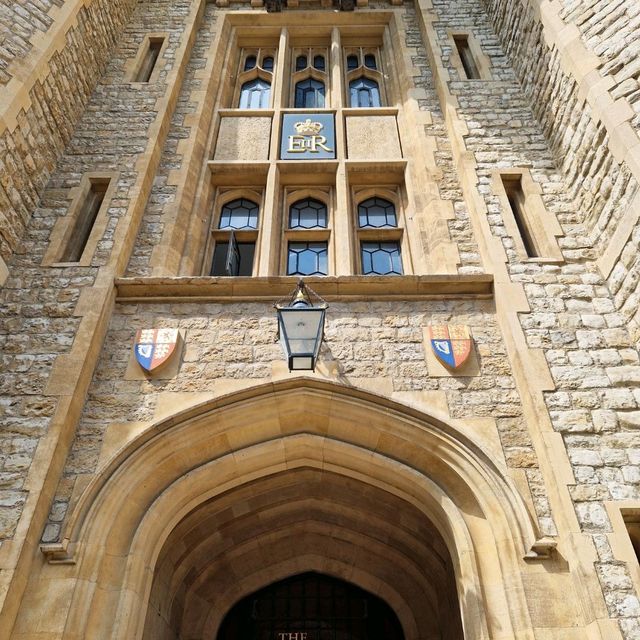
308	214
239	214
352	62
318	63
309	94
301	63
267	63
370	61
364	92
376	213
255	94
249	63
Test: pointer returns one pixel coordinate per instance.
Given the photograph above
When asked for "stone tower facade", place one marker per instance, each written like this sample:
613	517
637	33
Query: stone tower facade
426	166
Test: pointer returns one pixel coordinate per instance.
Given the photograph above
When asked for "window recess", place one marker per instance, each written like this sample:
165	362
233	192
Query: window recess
533	229
255	78
145	67
74	238
467	57
632	524
235	234
309	78
364	77
307	234
379	235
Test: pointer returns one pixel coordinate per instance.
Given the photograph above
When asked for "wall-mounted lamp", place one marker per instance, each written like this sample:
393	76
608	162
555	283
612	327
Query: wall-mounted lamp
301	327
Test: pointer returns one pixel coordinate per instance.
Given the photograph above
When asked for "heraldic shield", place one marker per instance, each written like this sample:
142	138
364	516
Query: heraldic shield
450	343
153	347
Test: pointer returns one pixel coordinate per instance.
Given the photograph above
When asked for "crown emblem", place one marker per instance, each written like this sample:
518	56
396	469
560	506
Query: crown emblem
308	128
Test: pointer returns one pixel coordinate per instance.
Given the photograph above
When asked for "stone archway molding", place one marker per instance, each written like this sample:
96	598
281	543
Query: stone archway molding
116	531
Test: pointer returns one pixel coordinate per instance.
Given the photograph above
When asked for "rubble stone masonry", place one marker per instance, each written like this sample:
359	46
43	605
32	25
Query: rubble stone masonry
45	90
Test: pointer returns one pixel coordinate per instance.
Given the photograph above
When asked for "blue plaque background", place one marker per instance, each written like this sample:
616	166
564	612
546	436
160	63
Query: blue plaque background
328	131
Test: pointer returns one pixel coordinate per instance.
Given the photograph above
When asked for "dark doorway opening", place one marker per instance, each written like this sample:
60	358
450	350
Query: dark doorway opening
311	606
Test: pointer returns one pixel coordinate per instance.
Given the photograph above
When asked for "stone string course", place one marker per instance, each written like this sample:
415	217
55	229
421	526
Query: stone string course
37	322
29	152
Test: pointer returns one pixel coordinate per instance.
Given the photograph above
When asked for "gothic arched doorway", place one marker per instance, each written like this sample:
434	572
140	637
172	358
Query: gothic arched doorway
311	606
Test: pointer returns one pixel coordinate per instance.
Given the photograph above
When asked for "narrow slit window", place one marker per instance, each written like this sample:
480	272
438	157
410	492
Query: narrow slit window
516	197
149	60
84	221
466	57
633	529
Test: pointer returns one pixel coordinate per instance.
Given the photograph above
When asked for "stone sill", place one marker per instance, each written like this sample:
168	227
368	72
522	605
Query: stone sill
331	288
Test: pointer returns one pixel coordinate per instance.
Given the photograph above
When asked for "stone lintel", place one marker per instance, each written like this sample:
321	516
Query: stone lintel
337	288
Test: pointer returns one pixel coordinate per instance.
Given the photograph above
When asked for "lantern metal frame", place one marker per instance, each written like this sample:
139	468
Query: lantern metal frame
302	300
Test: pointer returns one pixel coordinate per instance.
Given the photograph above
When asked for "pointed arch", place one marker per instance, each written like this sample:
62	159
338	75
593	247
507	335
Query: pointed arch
179	464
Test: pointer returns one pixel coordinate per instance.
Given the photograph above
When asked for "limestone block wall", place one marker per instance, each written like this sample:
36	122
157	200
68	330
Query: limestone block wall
600	184
38	322
574	316
21	22
51	56
610	30
603	183
377	346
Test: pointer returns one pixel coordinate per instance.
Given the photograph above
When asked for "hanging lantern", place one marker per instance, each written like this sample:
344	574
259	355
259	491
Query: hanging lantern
301	328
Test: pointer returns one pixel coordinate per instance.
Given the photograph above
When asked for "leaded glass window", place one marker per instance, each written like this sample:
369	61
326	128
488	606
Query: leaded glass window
364	92
307	259
301	63
370	61
255	94
381	258
352	62
267	63
308	214
376	213
239	214
249	63
309	94
318	63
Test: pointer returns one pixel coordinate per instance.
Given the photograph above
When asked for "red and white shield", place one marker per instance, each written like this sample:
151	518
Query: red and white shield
153	347
450	343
